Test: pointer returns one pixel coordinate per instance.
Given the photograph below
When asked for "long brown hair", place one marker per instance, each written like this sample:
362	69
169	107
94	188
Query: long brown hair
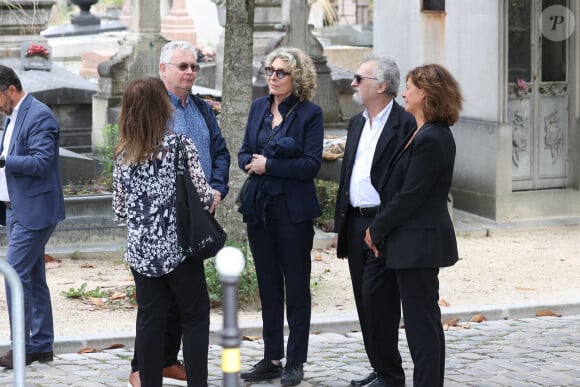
443	100
145	113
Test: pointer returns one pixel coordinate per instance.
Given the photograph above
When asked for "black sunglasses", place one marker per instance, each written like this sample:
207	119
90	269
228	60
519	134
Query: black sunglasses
279	73
358	78
184	66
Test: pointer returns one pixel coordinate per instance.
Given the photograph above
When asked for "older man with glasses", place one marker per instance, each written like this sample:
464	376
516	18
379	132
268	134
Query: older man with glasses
374	133
195	118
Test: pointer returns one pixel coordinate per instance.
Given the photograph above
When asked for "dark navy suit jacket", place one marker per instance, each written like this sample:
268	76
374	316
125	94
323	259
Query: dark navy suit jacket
32	167
398	125
303	122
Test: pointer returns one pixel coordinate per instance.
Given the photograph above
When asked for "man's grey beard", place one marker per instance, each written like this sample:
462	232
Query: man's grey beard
357	98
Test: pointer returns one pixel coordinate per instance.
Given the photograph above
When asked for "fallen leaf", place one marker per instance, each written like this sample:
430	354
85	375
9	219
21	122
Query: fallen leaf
522	288
250	338
87	266
48	258
443	302
478	318
114	346
88	350
318	257
118	295
547	313
51	262
97	302
452	321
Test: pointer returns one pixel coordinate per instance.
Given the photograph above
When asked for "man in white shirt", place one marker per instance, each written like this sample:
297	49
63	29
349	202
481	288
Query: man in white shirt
31	205
378	130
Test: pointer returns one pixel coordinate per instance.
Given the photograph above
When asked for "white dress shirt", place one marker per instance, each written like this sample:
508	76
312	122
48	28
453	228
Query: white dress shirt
4	197
362	192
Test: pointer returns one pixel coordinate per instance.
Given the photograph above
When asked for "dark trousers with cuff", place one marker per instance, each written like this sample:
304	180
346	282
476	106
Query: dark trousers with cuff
282	256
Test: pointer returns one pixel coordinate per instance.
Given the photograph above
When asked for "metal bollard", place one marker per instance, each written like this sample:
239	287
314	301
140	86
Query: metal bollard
229	263
17	323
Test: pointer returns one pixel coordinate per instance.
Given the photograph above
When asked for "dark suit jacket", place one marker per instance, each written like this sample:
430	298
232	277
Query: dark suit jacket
304	124
220	156
413	228
398	125
32	167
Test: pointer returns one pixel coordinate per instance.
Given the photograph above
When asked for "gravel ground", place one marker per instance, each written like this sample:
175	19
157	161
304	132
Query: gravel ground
507	267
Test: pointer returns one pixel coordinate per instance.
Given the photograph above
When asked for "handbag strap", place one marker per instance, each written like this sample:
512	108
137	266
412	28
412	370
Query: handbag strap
177	157
279	126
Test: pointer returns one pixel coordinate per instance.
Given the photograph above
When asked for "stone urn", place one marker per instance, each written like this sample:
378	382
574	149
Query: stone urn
85	17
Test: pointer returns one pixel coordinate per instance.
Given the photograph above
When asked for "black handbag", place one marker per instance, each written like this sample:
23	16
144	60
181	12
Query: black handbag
199	234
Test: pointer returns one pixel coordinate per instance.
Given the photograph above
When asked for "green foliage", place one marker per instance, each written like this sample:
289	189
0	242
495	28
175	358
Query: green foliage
326	191
248	295
112	3
82	292
106	153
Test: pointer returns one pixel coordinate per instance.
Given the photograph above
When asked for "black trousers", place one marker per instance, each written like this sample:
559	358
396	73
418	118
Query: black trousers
357	257
281	251
187	288
417	290
172	341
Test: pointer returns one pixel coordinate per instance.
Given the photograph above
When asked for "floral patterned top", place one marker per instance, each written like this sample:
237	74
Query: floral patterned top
144	195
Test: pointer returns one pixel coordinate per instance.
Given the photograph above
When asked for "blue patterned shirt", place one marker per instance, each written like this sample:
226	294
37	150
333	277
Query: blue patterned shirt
190	121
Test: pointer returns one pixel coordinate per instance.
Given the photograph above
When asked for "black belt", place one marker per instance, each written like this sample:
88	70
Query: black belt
7	204
366	211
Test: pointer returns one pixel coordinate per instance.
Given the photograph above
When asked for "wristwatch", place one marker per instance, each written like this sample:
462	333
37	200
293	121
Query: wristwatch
2	161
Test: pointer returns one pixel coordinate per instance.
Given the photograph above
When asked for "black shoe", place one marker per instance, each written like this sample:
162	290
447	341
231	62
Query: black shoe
7	362
362	382
43	357
378	382
292	375
262	370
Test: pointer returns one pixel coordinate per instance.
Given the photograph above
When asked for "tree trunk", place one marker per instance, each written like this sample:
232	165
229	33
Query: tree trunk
236	101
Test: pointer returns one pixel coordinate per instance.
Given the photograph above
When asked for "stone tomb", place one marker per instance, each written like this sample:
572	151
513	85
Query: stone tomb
68	95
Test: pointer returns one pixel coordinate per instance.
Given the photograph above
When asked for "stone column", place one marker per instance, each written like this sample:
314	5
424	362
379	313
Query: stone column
138	57
179	25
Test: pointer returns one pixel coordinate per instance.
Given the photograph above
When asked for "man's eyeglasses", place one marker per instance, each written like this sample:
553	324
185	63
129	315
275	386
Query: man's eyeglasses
358	78
279	73
184	66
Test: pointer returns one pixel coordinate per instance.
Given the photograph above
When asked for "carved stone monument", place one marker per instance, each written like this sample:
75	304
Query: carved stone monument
138	57
21	21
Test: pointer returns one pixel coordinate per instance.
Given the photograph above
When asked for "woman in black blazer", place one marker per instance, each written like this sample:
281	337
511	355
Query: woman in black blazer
412	236
282	154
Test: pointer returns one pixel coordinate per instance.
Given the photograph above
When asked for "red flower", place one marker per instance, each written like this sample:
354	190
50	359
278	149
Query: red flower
37	50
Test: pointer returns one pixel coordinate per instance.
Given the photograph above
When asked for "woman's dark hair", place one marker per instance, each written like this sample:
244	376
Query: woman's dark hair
443	99
145	112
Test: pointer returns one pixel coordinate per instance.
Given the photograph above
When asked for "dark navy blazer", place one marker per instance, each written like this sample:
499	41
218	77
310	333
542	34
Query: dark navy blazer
32	167
303	122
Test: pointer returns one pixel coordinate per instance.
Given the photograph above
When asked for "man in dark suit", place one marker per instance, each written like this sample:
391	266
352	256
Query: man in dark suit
372	135
31	205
